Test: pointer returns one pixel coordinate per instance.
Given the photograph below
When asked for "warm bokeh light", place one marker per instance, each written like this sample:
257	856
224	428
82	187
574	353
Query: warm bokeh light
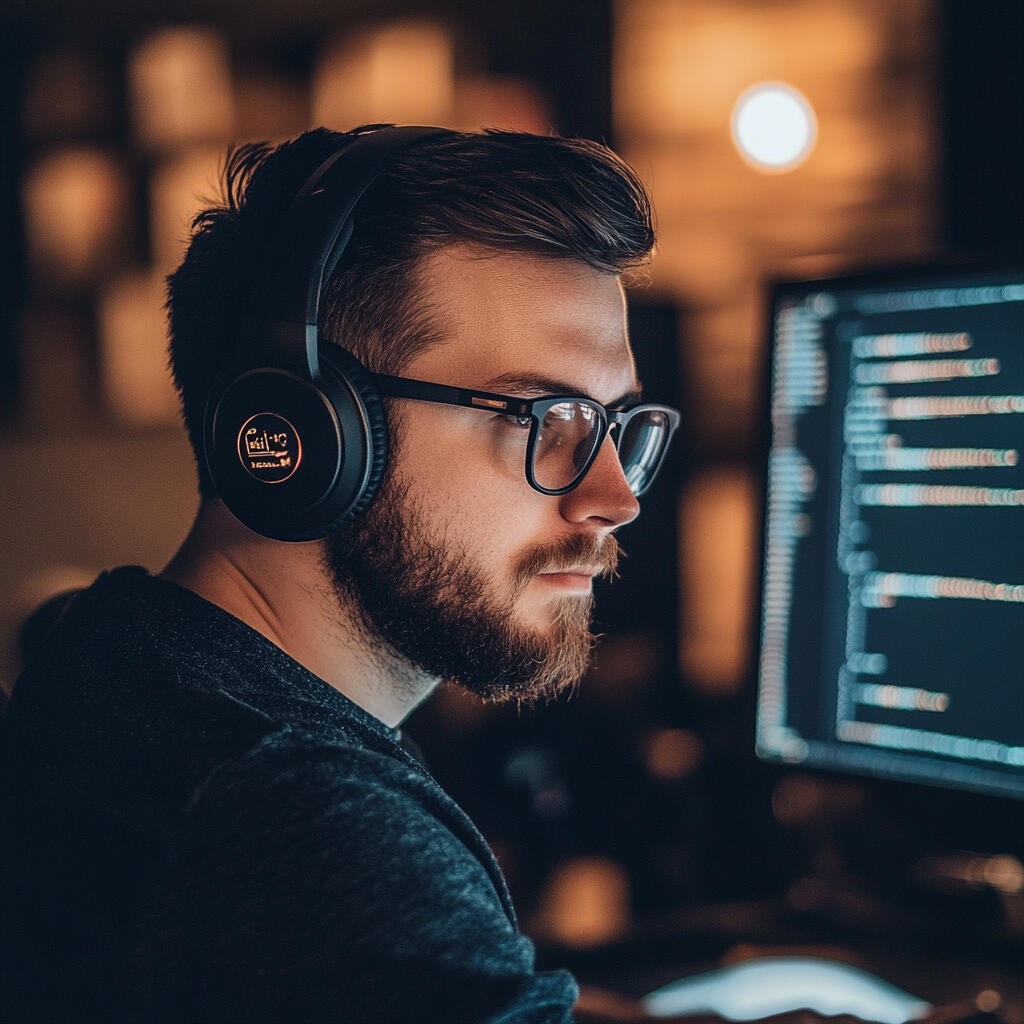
180	87
774	126
75	214
133	351
673	754
400	73
586	902
680	64
1002	872
867	192
717	529
988	1000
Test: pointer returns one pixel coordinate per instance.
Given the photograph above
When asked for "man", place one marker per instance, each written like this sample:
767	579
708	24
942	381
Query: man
210	813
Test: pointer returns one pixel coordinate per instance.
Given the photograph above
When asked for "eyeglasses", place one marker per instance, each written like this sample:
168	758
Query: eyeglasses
566	432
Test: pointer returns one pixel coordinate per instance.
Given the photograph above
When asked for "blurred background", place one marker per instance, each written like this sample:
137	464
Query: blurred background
636	815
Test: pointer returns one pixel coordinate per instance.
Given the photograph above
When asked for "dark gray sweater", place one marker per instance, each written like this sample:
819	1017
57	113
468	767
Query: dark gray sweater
197	828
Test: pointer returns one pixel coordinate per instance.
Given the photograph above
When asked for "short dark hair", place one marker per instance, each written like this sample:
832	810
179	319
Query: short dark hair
494	190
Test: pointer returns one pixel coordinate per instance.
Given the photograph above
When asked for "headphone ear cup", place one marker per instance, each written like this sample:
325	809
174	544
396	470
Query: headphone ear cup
292	459
342	366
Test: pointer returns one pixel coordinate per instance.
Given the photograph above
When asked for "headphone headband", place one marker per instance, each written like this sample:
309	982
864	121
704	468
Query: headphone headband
316	229
296	437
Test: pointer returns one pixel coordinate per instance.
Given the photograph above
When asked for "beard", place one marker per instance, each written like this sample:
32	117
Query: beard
424	597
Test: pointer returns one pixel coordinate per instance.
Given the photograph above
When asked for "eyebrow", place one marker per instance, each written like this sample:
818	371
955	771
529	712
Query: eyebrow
526	384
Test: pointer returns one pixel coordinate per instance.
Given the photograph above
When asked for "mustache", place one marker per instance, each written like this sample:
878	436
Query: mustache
560	556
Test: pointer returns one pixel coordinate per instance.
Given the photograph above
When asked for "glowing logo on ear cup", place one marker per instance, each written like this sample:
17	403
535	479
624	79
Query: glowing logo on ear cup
269	447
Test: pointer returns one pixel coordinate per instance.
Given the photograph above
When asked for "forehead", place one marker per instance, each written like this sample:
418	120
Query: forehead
508	316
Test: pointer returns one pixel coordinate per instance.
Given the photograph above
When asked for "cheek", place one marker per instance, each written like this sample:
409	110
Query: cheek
456	458
469	498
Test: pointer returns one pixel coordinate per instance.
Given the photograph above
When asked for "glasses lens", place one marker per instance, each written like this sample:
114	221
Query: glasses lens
641	447
566	439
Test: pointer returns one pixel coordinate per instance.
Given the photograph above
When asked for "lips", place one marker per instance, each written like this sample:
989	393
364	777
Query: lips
577	579
574	561
575	570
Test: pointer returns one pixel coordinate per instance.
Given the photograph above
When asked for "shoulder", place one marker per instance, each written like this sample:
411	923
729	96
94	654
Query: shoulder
292	779
308	876
332	812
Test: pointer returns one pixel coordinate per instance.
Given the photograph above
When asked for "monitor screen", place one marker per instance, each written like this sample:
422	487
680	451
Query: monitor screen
892	619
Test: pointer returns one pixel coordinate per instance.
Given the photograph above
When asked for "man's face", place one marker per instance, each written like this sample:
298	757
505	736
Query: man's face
460	565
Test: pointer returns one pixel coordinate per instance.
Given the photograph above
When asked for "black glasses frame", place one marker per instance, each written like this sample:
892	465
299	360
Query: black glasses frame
536	409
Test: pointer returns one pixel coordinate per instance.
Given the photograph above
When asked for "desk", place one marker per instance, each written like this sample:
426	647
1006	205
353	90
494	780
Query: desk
940	965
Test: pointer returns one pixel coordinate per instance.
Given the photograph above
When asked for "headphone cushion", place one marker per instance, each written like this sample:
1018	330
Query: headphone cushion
334	435
339	366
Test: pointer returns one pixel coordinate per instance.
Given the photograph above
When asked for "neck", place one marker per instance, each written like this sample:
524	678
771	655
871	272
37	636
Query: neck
284	591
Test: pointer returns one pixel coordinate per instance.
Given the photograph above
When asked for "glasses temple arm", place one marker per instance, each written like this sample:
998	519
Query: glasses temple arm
424	391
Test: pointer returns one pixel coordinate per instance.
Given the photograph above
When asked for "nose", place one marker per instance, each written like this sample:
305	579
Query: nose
603	497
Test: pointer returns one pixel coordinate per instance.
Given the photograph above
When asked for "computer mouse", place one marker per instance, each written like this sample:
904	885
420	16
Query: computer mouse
777	984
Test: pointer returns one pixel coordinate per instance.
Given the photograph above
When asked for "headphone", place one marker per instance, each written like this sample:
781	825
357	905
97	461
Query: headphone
295	434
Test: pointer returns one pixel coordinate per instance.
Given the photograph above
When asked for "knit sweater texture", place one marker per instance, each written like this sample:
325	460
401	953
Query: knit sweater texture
197	828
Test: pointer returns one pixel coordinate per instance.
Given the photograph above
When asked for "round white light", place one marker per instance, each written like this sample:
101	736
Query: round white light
773	126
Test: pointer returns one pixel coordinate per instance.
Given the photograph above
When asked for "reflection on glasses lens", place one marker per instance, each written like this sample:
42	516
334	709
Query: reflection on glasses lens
642	444
566	439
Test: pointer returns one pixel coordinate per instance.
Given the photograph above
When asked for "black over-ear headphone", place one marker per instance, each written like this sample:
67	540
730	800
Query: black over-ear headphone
296	439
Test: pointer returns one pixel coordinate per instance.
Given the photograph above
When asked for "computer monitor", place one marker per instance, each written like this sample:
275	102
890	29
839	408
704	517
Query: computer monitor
892	625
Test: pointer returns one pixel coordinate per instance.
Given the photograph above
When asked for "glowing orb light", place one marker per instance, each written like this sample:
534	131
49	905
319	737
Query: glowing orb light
774	126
